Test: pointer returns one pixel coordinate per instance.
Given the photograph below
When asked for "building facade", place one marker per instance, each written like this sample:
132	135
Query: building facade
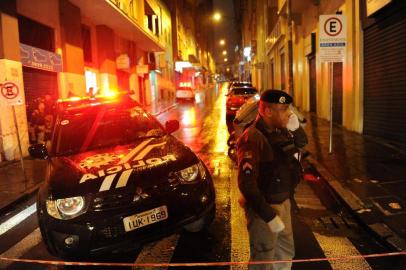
368	88
63	48
192	44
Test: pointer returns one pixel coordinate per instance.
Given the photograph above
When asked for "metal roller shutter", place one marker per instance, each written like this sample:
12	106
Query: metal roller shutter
385	78
37	84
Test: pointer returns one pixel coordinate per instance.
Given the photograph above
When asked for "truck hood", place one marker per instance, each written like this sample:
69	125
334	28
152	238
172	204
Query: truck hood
144	163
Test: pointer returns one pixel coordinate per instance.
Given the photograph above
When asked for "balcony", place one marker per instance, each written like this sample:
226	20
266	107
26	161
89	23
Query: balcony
120	17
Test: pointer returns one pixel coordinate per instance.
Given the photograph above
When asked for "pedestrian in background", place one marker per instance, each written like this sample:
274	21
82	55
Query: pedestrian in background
41	119
39	122
267	174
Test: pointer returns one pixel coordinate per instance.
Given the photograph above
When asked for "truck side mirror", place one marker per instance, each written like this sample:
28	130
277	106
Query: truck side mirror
171	126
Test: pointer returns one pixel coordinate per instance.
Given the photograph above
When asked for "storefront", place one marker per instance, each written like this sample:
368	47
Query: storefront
40	67
40	89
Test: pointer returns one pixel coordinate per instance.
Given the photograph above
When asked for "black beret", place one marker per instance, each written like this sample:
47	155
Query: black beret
276	96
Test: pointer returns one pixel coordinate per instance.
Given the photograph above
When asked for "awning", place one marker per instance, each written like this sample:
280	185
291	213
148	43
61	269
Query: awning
106	13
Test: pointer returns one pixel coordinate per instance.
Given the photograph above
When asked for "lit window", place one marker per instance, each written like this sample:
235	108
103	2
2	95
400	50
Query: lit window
91	81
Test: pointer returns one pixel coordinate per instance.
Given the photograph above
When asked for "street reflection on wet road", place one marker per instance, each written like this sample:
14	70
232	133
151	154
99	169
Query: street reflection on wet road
202	125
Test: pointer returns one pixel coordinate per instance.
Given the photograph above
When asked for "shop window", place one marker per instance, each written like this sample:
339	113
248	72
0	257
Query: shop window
91	82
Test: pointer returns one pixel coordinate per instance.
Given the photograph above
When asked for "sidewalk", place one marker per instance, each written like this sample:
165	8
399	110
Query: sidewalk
13	186
367	174
157	108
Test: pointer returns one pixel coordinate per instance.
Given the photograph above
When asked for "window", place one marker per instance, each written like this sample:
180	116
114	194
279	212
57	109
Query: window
156	19
272	15
283	75
35	34
149	22
150	17
86	43
271	74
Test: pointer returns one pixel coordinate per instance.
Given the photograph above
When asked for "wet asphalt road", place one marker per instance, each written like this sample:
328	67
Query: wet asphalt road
322	227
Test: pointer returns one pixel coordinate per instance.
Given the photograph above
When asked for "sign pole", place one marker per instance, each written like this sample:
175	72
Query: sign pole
332	42
330	148
19	146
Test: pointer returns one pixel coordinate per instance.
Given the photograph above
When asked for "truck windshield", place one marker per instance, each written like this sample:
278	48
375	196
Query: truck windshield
244	91
102	126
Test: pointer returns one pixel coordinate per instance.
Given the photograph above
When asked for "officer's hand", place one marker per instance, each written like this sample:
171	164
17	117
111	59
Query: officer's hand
293	122
276	224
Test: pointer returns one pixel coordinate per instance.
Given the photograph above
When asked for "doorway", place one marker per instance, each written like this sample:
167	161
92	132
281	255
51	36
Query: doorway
141	90
338	93
312	83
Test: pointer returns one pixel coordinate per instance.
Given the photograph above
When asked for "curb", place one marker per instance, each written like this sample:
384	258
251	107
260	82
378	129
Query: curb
355	204
21	197
165	110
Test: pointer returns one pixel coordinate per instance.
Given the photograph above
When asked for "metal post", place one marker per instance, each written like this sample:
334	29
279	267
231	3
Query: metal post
290	46
330	149
19	146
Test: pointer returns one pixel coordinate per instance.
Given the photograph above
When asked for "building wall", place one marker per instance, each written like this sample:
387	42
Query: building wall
11	70
165	60
72	78
305	16
352	65
66	20
186	33
261	79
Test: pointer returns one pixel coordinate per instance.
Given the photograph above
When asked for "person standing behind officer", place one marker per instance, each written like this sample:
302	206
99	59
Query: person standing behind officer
267	175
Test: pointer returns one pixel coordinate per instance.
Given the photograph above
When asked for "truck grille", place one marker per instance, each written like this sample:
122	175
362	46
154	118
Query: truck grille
115	201
111	232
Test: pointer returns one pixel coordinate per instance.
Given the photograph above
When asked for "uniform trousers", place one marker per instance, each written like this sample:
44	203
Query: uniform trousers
267	246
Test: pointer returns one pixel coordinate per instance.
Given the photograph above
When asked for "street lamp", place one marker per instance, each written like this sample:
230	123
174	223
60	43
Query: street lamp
225	59
222	42
224	52
217	16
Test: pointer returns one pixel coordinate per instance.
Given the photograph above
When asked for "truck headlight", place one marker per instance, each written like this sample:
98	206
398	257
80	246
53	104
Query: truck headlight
66	208
190	174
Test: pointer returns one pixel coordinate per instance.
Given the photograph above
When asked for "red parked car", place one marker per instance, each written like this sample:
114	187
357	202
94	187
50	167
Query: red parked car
236	98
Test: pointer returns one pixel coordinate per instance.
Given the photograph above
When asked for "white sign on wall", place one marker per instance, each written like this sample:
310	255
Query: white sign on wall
10	92
123	61
333	37
142	69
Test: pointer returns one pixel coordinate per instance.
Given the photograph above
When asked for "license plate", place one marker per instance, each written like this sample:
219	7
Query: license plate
145	218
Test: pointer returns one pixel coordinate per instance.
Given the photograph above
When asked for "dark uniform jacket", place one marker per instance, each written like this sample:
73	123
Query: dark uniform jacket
267	168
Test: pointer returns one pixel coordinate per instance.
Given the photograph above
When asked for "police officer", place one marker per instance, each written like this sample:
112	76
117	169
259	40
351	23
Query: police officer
267	174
